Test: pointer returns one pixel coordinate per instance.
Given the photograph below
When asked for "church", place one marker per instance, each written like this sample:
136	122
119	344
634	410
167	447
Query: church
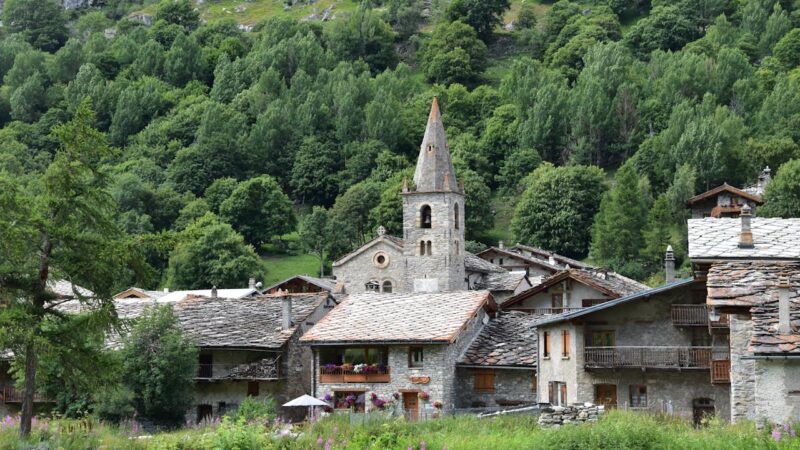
430	256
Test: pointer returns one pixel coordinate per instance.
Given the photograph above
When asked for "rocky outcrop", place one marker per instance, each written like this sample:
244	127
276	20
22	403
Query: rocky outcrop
555	416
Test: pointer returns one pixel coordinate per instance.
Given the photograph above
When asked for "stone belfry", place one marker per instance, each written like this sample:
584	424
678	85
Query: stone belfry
433	216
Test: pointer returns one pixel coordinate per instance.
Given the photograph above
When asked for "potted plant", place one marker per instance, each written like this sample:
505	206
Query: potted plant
424	396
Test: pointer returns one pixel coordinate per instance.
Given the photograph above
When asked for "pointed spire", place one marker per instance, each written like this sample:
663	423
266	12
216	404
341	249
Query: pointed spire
434	167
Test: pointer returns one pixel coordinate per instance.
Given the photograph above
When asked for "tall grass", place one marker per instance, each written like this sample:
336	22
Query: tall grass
616	430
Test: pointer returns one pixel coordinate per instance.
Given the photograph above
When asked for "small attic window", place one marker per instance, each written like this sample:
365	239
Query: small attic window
430	148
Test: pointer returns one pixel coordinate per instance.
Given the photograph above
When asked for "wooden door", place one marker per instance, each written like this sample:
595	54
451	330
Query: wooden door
411	405
204	412
606	394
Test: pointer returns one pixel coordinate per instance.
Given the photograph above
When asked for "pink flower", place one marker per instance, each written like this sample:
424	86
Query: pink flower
776	435
320	441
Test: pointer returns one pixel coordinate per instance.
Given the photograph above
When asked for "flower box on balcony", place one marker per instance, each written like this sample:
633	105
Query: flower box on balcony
355	377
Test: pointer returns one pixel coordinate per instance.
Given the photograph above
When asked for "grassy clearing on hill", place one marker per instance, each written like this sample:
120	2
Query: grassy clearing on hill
618	430
287	261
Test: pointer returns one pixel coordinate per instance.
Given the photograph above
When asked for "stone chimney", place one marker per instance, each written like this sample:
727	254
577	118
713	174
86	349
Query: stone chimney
501	245
669	265
251	283
746	235
286	312
763	179
552	260
214	291
784	324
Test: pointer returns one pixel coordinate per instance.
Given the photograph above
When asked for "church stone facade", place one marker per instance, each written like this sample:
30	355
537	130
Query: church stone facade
430	255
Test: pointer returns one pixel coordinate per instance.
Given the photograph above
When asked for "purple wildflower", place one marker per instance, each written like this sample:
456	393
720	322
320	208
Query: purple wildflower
776	435
320	441
792	432
422	445
328	397
329	444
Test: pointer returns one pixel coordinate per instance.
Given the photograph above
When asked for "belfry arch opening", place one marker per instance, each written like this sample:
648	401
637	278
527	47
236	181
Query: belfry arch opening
425	219
456	216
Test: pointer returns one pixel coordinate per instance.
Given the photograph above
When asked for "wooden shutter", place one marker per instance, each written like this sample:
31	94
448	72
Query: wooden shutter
551	393
546	338
563	392
565	343
484	380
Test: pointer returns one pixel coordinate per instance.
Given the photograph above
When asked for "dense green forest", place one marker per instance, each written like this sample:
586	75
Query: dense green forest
581	127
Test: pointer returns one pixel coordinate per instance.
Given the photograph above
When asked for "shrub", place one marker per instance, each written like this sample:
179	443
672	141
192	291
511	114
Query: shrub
253	409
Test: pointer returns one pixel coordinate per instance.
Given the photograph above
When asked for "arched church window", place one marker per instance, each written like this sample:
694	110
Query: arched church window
456	216
387	286
428	245
425	216
422	248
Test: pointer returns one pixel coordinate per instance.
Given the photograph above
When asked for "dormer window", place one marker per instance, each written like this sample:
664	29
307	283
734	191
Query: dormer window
425	217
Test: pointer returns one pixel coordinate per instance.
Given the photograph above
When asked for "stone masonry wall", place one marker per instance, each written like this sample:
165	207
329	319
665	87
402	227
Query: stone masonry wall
446	262
510	385
777	391
556	416
356	272
742	370
439	366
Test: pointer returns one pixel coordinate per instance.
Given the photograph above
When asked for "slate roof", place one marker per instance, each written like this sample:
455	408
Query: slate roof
528	259
473	263
434	171
609	283
501	281
755	285
545	254
509	340
253	322
773	238
66	289
250	322
725	187
177	296
435	318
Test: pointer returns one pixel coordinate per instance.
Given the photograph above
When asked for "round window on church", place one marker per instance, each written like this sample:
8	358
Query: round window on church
380	259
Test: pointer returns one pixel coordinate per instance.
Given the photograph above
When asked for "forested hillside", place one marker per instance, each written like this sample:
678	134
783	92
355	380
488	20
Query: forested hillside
588	123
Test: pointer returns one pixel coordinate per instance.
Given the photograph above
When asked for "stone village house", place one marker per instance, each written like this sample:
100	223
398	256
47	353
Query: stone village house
248	346
727	201
726	341
751	267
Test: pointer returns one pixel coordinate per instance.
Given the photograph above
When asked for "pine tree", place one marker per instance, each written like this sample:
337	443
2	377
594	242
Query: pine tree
617	233
183	61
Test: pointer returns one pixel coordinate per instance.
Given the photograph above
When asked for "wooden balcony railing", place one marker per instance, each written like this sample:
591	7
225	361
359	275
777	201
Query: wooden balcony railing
721	371
10	394
723	322
545	311
689	315
340	374
648	357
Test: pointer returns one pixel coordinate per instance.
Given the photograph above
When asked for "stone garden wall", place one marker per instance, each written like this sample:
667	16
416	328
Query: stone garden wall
555	416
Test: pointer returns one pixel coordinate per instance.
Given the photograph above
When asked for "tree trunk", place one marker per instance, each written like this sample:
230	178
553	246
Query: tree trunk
321	265
30	390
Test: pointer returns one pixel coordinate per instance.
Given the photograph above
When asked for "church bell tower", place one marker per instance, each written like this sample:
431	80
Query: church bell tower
433	216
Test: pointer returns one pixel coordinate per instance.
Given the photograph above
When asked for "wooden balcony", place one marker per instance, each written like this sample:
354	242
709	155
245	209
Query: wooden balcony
723	323
647	357
721	371
340	374
690	315
9	394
